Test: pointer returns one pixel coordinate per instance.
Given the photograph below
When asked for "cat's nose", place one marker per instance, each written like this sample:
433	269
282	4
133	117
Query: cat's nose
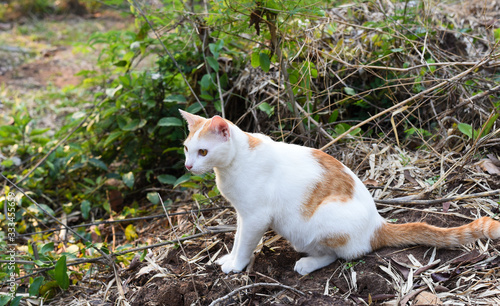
189	167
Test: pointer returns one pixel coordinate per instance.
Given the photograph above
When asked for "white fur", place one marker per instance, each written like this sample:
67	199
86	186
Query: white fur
268	186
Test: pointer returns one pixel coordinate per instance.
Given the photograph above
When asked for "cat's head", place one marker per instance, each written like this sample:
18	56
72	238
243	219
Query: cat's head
208	143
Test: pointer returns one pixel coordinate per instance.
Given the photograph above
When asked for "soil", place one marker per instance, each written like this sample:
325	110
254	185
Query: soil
56	64
332	285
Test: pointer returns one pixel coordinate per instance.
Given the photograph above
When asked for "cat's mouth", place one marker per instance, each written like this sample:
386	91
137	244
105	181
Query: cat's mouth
197	171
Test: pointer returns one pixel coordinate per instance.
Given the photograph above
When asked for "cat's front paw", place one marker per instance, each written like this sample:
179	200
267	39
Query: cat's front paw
224	259
304	266
229	264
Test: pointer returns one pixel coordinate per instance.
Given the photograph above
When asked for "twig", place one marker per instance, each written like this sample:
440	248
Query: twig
182	248
99	259
126	220
439	201
136	6
284	70
400	104
230	294
320	129
106	256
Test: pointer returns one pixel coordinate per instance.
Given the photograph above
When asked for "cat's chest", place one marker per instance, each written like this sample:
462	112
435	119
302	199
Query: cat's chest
235	188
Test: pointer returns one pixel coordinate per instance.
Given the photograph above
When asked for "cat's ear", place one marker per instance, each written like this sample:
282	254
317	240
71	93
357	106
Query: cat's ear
191	119
220	127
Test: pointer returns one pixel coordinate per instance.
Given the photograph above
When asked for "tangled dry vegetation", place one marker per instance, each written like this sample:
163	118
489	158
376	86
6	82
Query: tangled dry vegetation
432	145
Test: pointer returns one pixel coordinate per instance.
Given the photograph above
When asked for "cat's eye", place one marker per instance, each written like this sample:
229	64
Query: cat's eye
186	148
203	152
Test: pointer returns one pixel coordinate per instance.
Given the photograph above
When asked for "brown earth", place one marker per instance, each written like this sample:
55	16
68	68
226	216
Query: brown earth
332	285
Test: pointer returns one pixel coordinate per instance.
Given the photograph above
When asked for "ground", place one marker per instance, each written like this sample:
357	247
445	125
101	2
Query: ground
184	274
441	274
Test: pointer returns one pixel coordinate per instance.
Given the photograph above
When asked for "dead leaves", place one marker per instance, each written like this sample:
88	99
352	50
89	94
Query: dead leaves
438	281
490	165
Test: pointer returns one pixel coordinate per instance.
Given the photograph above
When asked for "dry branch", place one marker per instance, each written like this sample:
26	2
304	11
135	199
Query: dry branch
126	220
401	104
100	259
230	294
438	201
104	255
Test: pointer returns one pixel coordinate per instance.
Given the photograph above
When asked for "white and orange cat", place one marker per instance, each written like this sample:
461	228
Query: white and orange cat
305	195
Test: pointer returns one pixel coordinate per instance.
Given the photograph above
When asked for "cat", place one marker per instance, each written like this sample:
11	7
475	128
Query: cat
305	195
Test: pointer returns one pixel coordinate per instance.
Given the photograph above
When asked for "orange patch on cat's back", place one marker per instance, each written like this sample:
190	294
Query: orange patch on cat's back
336	240
336	185
253	141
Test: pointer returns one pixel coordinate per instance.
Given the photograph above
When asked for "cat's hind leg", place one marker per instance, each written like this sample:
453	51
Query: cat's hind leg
308	264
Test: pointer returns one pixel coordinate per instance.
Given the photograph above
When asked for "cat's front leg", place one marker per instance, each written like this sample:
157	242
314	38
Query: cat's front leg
229	257
248	234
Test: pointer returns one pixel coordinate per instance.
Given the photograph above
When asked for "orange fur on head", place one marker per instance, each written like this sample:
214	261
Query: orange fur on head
253	141
336	184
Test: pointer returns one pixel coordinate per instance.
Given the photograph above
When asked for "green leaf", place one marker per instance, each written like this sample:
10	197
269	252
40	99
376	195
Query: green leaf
255	61
130	233
170	121
143	255
175	98
349	91
467	130
8	130
213	193
265	63
128	179
496	34
182	179
153	198
112	137
7	163
489	124
110	92
432	68
107	206
206	97
213	63
121	63
195	107
35	132
35	285
334	116
198	197
167	179
122	121
217	47
4	299
206	82
134	125
15	301
61	274
85	208
48	247
268	109
355	132
98	163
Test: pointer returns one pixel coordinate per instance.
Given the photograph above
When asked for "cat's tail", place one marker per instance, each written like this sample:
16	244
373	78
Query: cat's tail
424	234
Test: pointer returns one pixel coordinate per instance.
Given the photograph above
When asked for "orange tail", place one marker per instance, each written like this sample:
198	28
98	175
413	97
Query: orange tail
425	234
